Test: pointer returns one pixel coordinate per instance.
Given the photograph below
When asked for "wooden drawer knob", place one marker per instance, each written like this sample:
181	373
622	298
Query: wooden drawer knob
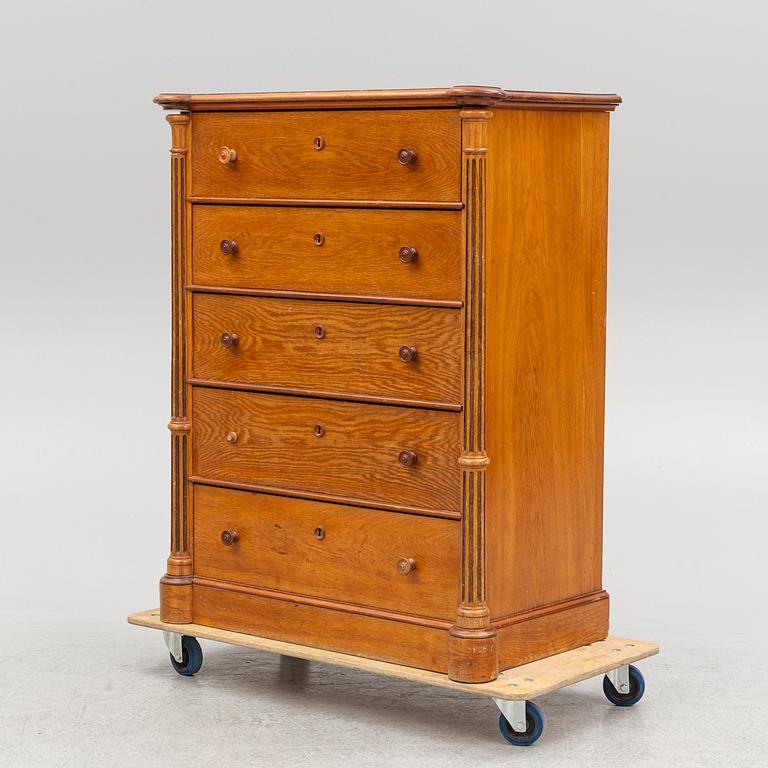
228	247
408	255
227	155
229	340
228	538
406	565
406	458
232	437
407	354
406	156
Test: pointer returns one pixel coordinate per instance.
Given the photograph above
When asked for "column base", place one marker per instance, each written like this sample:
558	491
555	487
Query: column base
473	655
176	599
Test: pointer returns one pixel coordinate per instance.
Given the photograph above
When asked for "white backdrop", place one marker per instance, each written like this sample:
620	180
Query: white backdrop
84	383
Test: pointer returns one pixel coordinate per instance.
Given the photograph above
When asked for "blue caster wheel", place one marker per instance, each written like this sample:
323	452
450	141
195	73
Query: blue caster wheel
192	657
635	693
534	721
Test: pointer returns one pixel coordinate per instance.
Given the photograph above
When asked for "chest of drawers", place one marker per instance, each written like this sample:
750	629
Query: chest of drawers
388	370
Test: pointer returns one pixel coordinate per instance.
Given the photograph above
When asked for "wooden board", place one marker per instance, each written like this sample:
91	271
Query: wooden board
525	682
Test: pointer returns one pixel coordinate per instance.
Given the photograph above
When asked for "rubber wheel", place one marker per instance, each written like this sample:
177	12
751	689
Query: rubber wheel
635	693
192	657
534	721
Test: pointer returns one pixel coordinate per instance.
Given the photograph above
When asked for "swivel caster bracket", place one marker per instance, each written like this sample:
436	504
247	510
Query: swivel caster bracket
619	678
173	641
514	712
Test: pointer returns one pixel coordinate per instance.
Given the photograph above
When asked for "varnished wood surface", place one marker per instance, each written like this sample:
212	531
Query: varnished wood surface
460	95
539	634
360	252
528	681
546	343
276	155
357	456
358	354
335	630
332	498
328	550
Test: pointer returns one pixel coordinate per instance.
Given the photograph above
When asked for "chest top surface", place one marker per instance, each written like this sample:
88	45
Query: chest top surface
455	96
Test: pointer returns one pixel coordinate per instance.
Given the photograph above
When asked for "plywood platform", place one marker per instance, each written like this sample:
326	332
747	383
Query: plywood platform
525	682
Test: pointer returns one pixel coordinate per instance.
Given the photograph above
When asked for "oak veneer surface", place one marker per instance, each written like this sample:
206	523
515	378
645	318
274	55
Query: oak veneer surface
546	355
358	351
359	251
277	158
357	455
328	550
343	631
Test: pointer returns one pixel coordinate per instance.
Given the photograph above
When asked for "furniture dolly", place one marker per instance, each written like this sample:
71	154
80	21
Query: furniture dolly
521	722
387	387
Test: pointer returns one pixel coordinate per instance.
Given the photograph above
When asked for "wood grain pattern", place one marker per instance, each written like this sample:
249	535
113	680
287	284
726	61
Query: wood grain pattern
356	457
528	681
332	498
546	634
459	95
359	254
276	156
353	559
546	344
340	631
359	353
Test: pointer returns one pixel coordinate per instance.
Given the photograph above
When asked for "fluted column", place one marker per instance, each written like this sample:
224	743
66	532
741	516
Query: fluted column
473	653
176	585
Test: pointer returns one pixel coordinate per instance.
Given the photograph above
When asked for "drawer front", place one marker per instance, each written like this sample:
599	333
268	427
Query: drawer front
329	551
325	346
403	457
409	254
347	155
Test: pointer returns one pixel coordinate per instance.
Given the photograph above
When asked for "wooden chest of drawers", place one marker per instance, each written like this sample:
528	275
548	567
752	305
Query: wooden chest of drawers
388	370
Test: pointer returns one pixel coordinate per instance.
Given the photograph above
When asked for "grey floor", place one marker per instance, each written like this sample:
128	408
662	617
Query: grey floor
95	691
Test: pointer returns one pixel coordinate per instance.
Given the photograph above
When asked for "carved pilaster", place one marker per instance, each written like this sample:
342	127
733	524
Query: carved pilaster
473	653
176	585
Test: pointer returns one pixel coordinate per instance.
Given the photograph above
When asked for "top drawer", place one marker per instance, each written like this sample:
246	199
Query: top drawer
345	155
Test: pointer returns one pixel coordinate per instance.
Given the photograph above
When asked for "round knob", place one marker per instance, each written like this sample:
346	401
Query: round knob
408	255
407	354
229	247
227	155
406	458
406	156
228	538
229	340
406	565
232	437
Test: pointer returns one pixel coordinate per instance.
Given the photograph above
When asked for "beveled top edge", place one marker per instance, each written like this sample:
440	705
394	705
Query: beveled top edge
460	95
